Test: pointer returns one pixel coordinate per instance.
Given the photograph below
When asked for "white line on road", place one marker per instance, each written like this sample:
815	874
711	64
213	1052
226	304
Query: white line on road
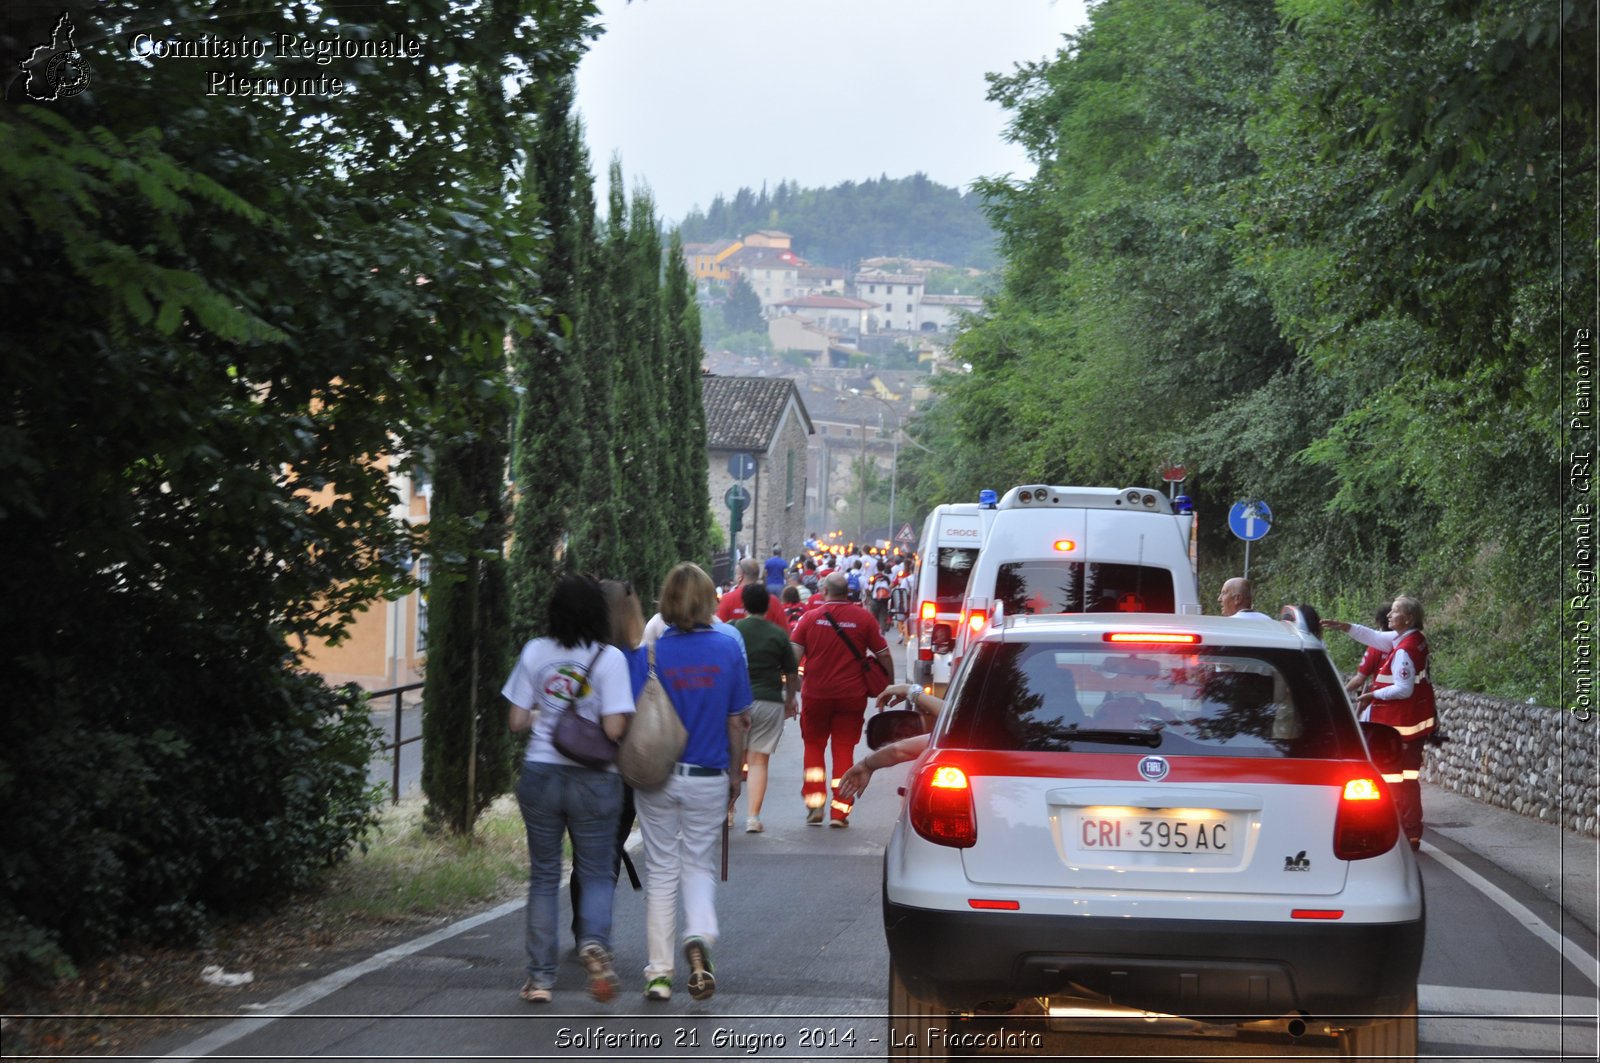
312	992
1506	1003
1576	954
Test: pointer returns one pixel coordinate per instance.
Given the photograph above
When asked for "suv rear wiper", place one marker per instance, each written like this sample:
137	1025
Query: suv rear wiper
1152	739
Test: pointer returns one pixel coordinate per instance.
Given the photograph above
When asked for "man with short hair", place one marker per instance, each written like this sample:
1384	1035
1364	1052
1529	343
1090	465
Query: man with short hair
836	641
731	605
1235	600
774	568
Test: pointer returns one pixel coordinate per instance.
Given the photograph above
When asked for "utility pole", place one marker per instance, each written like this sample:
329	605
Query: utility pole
861	475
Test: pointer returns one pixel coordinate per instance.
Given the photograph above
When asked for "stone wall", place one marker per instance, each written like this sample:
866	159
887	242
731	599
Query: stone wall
1533	760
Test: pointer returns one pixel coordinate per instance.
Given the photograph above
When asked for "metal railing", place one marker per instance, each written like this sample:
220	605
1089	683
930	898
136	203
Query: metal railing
394	747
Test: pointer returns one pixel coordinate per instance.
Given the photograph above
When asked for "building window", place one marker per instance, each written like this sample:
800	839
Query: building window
872	289
888	289
788	480
822	429
422	604
908	308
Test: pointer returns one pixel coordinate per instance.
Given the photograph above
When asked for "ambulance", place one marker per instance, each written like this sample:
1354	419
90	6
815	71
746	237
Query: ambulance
1055	549
952	537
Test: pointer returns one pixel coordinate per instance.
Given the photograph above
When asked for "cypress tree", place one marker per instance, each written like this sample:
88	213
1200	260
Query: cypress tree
552	433
644	431
689	518
594	544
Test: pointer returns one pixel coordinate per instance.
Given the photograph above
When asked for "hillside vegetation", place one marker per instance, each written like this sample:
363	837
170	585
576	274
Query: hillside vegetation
1317	252
911	217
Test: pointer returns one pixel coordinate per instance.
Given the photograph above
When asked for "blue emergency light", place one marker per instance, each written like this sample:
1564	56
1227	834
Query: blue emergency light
988	499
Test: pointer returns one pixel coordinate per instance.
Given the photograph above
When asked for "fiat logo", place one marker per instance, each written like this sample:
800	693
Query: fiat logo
1154	769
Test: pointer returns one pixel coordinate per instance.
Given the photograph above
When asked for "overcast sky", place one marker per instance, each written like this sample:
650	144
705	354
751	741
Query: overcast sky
701	97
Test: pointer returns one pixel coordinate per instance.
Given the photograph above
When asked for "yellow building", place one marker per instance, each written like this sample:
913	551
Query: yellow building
707	262
384	646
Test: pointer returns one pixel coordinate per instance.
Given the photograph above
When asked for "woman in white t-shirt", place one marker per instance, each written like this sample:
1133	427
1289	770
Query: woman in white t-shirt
573	666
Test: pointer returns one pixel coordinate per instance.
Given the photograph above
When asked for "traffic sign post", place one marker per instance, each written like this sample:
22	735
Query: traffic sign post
737	499
742	465
1250	520
906	535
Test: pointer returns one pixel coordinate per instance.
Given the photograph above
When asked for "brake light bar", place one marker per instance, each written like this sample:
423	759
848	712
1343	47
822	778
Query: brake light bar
1065	545
983	904
1316	913
1152	636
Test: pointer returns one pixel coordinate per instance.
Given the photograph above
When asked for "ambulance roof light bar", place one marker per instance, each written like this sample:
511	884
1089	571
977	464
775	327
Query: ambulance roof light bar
1045	496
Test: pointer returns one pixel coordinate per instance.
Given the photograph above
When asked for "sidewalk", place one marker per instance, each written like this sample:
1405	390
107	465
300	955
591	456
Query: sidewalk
1560	865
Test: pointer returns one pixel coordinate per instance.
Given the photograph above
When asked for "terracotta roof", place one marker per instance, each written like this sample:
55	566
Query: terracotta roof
743	412
763	258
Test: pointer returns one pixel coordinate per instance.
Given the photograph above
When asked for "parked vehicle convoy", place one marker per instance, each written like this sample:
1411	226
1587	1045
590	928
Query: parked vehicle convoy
1167	821
1080	550
952	536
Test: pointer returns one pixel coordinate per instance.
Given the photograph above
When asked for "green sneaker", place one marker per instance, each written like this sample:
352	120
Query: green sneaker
702	983
658	989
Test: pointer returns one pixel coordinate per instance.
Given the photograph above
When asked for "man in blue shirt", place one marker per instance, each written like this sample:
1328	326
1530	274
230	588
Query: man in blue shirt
775	566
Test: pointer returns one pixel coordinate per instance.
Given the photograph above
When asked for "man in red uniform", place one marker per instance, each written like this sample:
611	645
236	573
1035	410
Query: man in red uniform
835	641
731	605
1401	697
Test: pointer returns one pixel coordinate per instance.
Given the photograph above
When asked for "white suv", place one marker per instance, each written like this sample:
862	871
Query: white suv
1169	819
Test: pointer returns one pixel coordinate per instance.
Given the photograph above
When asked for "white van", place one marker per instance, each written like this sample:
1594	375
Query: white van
1081	550
951	538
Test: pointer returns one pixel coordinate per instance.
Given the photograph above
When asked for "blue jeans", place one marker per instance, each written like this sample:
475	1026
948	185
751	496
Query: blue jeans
559	799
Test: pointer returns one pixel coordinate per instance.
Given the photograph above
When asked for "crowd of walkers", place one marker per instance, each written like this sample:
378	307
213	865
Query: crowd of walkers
730	665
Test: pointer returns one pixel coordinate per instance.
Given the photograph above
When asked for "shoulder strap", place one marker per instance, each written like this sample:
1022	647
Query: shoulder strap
572	706
847	641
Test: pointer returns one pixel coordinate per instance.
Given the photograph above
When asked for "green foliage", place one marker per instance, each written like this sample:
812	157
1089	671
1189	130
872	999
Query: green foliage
218	306
1317	257
742	311
910	216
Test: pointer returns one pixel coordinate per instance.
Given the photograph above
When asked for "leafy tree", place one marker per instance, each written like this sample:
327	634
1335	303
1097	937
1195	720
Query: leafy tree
742	311
220	312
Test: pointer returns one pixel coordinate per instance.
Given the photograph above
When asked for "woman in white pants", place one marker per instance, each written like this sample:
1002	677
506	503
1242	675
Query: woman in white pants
704	674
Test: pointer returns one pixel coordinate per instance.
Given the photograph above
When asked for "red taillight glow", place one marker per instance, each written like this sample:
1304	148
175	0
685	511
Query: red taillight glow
1362	790
994	906
1151	636
941	807
929	610
1367	824
1065	545
976	621
1316	913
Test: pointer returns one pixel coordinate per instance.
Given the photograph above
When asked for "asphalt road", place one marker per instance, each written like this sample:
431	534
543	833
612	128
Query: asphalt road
802	969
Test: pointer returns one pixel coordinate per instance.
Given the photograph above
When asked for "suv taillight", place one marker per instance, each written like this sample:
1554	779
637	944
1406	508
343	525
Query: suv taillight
926	615
1367	824
941	807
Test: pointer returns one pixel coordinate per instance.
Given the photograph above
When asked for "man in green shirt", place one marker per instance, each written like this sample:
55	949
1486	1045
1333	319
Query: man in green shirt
775	682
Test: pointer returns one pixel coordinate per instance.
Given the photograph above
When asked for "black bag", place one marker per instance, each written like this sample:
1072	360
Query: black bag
872	670
580	738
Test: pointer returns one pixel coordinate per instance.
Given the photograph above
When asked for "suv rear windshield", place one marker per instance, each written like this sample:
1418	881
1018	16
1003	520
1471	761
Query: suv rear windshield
1203	701
950	577
1083	587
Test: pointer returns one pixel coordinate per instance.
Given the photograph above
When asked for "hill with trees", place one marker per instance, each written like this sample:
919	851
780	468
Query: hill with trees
1331	256
910	217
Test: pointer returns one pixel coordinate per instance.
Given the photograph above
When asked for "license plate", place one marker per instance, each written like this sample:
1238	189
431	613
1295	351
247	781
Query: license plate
1156	833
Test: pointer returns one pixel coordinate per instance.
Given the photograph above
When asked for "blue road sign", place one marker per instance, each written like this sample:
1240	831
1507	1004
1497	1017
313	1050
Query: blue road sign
742	465
1250	520
737	497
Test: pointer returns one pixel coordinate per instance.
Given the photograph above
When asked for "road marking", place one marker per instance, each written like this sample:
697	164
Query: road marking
312	992
1506	1003
1575	954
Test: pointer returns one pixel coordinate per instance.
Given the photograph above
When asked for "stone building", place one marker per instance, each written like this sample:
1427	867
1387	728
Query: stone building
764	418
